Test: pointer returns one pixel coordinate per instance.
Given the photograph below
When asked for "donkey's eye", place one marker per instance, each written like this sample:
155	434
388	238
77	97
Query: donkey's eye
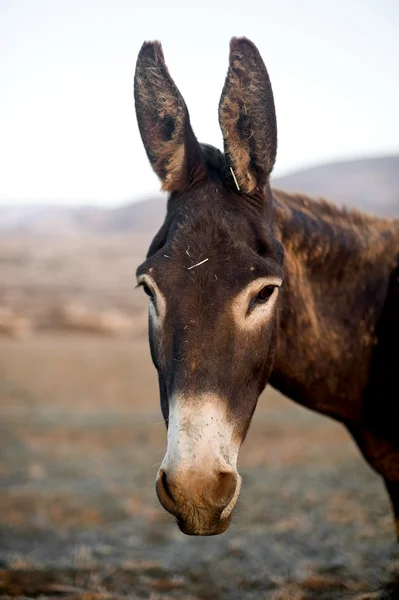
262	297
147	290
265	294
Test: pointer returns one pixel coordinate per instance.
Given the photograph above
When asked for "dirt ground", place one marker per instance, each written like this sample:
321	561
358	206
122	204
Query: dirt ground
81	437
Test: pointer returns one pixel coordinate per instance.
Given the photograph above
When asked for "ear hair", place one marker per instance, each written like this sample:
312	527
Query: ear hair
163	120
247	117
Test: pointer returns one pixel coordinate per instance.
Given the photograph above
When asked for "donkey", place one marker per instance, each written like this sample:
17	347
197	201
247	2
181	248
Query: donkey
221	322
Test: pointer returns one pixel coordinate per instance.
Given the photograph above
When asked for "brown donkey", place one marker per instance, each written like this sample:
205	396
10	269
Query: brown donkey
225	315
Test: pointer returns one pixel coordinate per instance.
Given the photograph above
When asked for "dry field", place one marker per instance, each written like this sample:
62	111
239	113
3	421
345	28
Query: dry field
42	276
80	441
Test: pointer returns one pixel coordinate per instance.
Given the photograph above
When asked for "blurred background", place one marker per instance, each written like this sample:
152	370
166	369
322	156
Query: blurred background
81	433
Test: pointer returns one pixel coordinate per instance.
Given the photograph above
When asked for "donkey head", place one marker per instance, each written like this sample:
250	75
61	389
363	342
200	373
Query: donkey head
212	275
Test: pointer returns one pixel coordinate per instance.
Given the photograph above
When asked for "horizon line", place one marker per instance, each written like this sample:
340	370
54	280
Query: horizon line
92	203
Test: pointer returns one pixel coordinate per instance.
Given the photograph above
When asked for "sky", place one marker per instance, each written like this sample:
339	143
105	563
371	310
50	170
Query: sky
68	133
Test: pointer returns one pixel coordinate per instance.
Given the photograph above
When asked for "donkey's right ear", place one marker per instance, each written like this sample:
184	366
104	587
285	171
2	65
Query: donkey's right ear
164	122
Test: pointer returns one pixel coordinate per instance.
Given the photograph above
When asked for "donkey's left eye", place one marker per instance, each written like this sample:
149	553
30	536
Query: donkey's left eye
262	297
265	294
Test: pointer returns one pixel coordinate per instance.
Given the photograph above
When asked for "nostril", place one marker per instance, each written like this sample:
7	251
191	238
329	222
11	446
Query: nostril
164	493
225	488
164	482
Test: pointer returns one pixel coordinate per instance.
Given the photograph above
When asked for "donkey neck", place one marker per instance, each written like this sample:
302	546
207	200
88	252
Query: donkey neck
337	269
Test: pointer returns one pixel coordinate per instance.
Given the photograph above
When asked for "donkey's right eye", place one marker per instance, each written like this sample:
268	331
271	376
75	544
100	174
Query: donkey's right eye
147	290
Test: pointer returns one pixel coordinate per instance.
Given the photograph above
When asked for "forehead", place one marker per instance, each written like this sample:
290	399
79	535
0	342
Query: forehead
210	235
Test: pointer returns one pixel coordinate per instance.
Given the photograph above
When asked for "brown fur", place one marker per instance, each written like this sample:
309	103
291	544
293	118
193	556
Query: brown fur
337	273
337	270
335	262
333	342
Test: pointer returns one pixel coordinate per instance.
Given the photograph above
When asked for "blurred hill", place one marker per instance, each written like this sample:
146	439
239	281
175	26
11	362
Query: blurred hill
140	217
369	184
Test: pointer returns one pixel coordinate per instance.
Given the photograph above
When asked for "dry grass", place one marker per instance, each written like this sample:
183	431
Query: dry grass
77	282
13	325
81	436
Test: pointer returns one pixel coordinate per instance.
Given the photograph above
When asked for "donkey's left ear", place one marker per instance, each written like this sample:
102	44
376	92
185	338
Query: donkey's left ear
164	122
247	117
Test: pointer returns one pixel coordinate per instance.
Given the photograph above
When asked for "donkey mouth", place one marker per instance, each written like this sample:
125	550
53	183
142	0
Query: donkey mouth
214	528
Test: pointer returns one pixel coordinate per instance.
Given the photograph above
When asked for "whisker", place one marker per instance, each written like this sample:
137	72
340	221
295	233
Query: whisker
198	264
235	180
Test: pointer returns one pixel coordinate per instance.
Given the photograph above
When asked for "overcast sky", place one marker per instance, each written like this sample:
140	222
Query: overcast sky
67	126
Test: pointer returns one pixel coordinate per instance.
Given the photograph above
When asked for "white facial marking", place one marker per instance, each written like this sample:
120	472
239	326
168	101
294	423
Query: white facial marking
200	436
259	313
157	311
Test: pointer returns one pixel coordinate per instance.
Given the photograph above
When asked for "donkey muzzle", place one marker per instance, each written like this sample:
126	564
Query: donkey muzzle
198	481
201	501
